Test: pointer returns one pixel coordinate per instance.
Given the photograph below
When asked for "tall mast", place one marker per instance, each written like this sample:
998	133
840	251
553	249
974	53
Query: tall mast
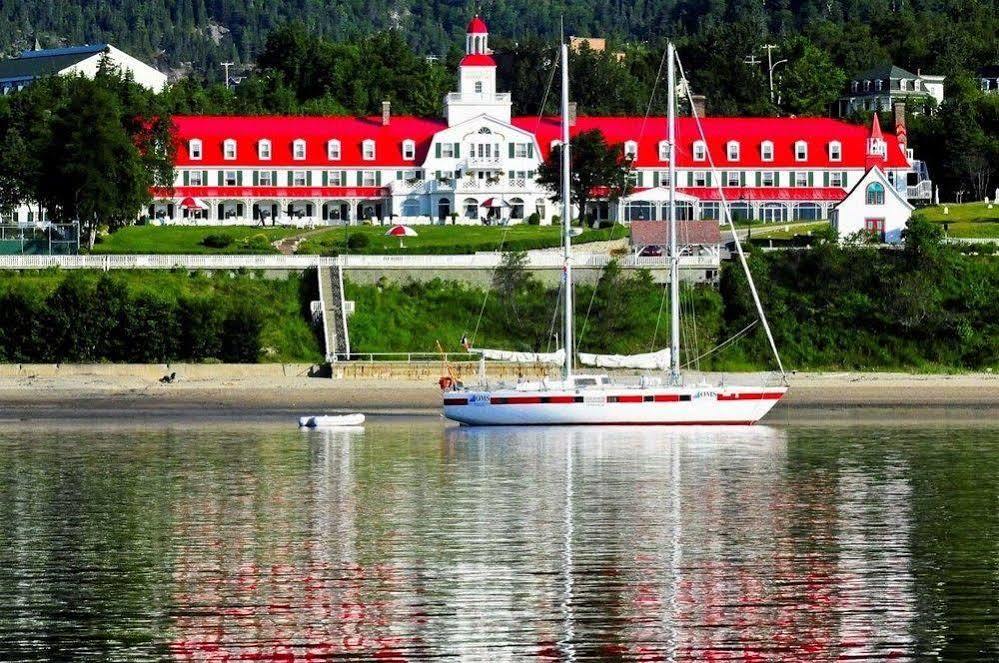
566	216
674	259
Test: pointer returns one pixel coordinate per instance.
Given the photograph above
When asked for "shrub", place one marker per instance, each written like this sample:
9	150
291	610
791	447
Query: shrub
357	241
241	335
258	243
217	241
534	219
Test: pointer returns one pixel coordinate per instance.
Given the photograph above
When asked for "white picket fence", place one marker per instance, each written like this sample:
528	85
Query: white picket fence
536	260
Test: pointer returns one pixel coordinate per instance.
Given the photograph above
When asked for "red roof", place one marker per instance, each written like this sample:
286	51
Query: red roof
737	194
271	192
477	26
817	133
248	131
478	60
750	132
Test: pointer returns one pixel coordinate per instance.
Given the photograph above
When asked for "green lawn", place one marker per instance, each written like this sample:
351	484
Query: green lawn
450	239
188	239
966	220
776	230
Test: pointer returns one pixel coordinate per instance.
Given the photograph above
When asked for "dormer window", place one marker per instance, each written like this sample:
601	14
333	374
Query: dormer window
333	150
700	151
368	150
264	150
855	86
664	150
801	151
835	151
867	86
877	85
408	150
630	150
478	87
298	149
194	149
767	151
229	149
732	150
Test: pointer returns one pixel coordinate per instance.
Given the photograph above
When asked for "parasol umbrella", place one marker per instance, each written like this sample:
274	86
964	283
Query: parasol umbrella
400	232
193	203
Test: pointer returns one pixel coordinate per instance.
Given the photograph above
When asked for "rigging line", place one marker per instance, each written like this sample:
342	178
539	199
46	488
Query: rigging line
652	94
544	98
739	334
735	237
492	275
662	303
555	312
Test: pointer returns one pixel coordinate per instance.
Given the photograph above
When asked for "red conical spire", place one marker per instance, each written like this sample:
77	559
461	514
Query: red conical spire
876	128
477	26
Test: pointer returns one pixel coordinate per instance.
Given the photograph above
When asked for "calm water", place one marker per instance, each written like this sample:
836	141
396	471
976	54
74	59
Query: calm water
409	540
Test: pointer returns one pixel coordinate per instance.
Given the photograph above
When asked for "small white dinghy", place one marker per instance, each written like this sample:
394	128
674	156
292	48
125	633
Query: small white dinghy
331	421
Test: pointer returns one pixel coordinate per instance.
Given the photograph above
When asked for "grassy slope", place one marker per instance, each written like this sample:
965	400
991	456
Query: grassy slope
286	336
187	239
967	220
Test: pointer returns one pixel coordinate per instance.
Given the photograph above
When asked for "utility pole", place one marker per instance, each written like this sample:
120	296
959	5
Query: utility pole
226	65
770	67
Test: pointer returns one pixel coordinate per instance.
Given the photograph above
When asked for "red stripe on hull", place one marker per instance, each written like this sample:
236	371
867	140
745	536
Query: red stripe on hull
762	396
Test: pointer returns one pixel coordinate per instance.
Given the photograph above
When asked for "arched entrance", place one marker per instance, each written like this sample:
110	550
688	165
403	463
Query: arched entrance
335	212
443	208
266	211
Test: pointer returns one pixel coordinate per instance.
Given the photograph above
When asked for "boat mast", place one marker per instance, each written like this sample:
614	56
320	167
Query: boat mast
674	259
566	216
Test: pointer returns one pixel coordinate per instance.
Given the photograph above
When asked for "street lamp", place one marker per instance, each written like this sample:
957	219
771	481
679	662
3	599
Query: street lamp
771	66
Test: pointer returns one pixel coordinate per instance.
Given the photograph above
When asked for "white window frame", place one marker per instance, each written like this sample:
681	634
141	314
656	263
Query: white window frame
226	178
229	151
664	150
520	150
265	174
195	149
700	151
195	175
298	149
447	150
733	150
264	150
836	178
701	178
294	176
630	149
800	179
733	174
663	178
767	150
369	178
800	151
835	151
334	178
368	152
773	178
409	149
333	151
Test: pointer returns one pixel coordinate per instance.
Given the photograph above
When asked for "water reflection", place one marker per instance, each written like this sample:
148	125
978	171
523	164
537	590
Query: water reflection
413	541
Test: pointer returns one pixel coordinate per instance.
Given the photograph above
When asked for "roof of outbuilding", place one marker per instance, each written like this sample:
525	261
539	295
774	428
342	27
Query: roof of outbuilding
47	62
656	233
885	71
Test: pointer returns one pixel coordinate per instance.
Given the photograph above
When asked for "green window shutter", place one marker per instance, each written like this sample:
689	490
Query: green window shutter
759	178
457	150
530	150
510	146
359	178
810	178
844	180
690	178
724	176
437	150
256	178
378	178
655	178
343	178
742	179
220	178
187	178
398	174
530	174
239	178
437	174
825	178
791	183
204	178
326	178
308	178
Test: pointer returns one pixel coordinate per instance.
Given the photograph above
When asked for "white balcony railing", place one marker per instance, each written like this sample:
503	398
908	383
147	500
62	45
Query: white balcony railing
921	191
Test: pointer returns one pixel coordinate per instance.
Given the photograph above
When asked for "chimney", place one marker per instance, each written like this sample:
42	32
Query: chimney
698	105
386	113
572	113
900	129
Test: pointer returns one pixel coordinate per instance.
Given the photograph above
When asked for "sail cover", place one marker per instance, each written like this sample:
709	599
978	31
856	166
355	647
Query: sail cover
557	357
649	360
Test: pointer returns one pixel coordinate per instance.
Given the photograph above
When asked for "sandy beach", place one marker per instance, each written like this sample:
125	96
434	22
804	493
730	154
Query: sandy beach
32	392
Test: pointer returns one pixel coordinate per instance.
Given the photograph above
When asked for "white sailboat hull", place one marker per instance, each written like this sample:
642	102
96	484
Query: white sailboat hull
658	406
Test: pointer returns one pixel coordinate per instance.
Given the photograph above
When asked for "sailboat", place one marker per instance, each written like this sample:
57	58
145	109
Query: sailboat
596	399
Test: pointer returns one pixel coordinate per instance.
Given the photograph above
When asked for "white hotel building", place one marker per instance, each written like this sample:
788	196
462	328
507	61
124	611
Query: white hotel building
480	162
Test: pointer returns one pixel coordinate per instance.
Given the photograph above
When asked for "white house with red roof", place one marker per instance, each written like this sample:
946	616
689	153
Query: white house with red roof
479	163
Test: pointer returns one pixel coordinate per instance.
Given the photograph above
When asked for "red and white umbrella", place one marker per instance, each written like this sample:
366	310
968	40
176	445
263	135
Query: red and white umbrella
495	203
193	203
400	232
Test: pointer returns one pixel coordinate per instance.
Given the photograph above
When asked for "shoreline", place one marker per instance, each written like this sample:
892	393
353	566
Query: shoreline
269	392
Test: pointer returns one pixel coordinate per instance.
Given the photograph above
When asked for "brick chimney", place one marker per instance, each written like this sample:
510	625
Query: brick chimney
572	113
386	113
900	129
699	105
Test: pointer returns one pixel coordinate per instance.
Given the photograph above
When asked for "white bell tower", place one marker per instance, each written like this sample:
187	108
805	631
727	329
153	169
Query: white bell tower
477	81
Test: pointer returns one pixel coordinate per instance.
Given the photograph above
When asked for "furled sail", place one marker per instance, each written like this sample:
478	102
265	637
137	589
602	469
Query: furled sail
649	360
556	358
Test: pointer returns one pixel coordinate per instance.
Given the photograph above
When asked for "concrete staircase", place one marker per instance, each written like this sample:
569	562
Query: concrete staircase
334	314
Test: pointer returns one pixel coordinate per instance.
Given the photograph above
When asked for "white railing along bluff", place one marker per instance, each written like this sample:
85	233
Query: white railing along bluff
485	260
